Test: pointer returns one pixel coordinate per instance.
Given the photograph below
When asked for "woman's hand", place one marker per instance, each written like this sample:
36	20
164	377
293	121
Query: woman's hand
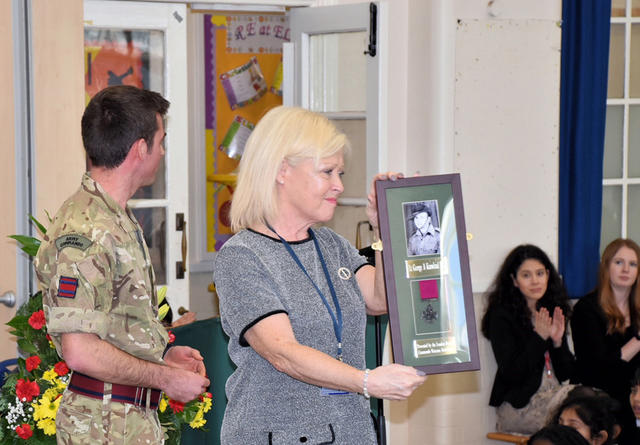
542	322
372	202
394	382
557	327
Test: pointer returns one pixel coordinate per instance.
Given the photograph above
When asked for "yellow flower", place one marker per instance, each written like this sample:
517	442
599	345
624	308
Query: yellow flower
48	426
162	406
50	376
198	421
50	394
207	404
162	293
60	385
163	311
46	407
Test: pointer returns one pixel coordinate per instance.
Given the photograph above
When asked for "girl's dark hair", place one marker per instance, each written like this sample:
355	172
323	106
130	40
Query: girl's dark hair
505	294
597	411
635	381
558	435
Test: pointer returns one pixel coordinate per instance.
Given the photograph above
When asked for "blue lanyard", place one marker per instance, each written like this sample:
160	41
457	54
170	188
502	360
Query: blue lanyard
335	318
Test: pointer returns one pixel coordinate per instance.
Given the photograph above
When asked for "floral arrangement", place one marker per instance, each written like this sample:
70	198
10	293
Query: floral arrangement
30	397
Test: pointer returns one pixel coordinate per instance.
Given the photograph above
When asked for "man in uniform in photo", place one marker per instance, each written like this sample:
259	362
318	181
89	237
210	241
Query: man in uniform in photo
98	284
426	238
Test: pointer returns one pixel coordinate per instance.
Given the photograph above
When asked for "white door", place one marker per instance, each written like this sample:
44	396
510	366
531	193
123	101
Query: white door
332	67
155	38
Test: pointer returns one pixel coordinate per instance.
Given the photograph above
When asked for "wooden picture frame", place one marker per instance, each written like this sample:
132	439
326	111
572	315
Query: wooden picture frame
426	269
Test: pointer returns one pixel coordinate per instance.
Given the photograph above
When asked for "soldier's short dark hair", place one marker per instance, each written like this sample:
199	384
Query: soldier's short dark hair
115	118
420	207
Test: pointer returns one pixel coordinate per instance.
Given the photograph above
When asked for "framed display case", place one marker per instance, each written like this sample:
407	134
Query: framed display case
426	269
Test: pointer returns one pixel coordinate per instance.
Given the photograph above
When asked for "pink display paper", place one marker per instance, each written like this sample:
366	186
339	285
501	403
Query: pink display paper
429	289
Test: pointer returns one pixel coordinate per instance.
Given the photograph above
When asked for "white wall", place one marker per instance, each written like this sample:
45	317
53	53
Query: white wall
477	94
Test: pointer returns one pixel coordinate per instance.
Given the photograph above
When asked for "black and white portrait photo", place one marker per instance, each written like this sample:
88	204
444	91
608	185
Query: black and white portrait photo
422	227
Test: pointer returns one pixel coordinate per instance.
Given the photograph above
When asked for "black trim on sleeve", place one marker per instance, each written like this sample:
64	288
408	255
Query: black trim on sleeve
242	340
361	266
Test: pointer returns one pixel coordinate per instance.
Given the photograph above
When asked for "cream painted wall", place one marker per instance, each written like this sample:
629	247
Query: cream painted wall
57	38
7	178
494	121
58	59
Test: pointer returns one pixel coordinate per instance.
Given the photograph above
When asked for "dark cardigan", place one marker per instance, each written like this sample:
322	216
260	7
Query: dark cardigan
519	353
598	353
599	361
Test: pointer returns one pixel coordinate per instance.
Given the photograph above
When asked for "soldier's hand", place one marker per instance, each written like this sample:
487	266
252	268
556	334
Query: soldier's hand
184	386
185	357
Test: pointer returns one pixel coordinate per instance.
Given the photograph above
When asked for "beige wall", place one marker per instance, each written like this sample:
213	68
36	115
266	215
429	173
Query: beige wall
58	55
58	96
7	178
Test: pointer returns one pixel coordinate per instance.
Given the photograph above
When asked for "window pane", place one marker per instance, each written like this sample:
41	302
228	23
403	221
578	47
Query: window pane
634	141
616	62
635	8
611	214
633	212
634	62
126	57
338	67
613	142
618	8
153	223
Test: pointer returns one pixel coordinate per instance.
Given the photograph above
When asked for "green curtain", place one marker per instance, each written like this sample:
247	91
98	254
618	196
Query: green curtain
208	337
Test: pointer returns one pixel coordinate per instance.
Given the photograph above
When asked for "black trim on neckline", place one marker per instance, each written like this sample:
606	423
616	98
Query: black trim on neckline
277	240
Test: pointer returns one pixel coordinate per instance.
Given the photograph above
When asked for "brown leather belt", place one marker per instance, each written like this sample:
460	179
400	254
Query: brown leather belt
94	388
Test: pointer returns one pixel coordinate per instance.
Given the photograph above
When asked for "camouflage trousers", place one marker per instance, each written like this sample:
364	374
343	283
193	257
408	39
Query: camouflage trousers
82	420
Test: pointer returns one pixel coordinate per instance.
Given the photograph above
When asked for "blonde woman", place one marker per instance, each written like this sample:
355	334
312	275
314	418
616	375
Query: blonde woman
294	298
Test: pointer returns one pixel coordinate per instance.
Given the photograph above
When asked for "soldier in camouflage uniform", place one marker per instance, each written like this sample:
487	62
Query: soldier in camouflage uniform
98	287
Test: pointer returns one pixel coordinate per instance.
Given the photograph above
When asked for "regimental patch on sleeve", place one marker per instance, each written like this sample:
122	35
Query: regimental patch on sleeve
67	287
77	241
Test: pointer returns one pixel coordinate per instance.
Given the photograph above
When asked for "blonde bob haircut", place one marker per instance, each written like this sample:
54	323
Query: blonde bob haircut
283	134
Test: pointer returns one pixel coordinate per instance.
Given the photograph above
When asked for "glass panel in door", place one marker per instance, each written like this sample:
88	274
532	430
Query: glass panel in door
116	56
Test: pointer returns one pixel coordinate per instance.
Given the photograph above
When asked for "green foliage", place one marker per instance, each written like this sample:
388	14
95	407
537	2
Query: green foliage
29	245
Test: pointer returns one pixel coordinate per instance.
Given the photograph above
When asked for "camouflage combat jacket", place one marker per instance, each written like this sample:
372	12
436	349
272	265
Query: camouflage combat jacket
96	276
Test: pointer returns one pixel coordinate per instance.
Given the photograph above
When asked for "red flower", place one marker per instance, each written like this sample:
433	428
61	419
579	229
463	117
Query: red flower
48	337
37	320
172	337
61	368
177	407
24	431
32	362
207	395
27	390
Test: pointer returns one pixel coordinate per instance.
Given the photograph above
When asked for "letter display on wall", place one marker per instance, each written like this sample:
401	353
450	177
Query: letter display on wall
426	268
